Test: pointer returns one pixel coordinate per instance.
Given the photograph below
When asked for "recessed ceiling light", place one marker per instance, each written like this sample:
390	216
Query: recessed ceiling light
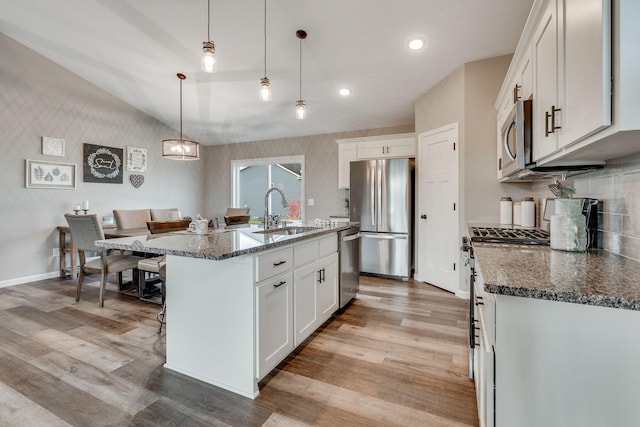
344	91
417	43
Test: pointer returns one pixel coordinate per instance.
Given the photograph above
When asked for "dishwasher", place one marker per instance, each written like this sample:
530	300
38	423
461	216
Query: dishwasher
349	264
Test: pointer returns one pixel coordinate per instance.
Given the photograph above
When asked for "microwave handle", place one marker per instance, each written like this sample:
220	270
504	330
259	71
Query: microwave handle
511	127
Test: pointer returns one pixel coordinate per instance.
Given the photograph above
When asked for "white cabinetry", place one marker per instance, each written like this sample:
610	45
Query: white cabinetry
564	364
297	294
274	308
572	87
387	148
315	286
566	49
376	147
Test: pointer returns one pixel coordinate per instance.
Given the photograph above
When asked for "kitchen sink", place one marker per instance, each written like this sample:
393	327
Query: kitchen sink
287	231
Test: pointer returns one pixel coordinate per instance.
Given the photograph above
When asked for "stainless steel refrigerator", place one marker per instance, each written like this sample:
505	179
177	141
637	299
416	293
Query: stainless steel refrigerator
381	200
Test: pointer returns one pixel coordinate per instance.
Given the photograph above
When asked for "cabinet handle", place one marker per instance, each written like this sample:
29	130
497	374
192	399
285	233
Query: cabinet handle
319	276
554	110
546	124
324	277
516	90
276	264
277	285
423	216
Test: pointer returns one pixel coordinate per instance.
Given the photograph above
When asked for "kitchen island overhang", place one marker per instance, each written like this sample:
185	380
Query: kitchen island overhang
212	332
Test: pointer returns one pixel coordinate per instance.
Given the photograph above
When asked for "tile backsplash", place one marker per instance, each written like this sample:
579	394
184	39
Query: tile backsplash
617	186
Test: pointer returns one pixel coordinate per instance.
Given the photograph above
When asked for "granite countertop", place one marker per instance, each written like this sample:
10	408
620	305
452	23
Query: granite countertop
217	244
595	277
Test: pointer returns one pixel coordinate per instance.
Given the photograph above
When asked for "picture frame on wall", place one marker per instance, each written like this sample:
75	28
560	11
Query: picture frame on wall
52	146
102	164
41	174
136	159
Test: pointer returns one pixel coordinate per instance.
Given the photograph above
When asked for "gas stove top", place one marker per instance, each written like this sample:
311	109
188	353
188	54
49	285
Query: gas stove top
522	236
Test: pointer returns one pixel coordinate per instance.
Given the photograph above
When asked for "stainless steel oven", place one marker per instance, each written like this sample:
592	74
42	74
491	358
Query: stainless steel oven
516	133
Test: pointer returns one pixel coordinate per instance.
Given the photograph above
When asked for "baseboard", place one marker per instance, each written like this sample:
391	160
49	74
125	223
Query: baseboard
462	294
27	279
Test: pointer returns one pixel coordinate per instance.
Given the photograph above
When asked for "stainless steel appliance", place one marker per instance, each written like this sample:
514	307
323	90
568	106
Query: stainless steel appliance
516	131
349	264
382	201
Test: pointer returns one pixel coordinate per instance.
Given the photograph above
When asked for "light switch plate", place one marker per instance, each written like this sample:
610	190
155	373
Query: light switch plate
311	202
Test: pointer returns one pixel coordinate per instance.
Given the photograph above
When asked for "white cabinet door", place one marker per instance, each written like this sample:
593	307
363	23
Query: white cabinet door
572	63
545	53
587	69
315	295
347	153
305	315
387	148
327	288
274	326
524	88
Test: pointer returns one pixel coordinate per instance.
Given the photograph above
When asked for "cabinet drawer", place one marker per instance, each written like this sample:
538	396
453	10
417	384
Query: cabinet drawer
328	245
305	253
272	263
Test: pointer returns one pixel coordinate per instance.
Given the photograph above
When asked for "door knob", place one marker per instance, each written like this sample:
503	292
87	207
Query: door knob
423	216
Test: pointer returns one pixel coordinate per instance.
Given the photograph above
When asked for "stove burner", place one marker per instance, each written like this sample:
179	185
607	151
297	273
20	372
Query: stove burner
523	236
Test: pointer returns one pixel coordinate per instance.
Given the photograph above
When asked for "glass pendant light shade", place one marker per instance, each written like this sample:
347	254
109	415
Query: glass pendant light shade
265	89
300	109
208	63
180	149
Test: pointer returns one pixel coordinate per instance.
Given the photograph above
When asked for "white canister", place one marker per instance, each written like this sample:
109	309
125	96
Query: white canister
528	212
516	213
506	211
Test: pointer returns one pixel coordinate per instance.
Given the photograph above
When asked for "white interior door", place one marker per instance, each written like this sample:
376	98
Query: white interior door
437	189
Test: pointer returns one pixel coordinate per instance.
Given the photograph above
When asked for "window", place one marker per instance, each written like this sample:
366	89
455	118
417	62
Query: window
252	178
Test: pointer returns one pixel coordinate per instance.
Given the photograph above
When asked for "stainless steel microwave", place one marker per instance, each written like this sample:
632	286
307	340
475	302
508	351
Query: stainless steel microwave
516	131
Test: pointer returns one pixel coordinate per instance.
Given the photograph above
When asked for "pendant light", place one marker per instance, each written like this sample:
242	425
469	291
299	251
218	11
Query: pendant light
265	89
180	149
208	63
300	103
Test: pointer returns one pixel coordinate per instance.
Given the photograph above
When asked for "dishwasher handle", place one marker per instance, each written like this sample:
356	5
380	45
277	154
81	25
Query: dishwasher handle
351	237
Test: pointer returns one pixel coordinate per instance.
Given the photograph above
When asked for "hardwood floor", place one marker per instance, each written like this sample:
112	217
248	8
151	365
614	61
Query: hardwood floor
396	357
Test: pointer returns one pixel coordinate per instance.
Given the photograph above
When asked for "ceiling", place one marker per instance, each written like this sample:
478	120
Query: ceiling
134	48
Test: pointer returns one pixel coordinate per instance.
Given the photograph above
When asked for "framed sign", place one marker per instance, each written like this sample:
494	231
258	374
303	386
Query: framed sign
39	174
102	164
136	159
52	146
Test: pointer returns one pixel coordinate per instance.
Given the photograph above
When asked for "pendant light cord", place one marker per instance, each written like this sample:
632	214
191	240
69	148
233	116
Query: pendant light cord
180	109
208	21
265	38
300	68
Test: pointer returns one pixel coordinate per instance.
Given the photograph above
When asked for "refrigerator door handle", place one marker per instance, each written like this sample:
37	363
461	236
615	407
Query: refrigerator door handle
385	236
379	183
373	197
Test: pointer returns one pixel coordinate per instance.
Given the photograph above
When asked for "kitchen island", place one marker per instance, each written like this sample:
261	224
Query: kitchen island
240	300
557	335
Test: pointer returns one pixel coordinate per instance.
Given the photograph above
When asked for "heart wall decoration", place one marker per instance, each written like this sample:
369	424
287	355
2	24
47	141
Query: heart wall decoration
136	180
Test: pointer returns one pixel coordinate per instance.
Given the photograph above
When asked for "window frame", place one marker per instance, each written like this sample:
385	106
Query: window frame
236	166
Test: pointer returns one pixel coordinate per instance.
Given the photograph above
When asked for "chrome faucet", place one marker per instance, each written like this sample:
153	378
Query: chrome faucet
267	218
